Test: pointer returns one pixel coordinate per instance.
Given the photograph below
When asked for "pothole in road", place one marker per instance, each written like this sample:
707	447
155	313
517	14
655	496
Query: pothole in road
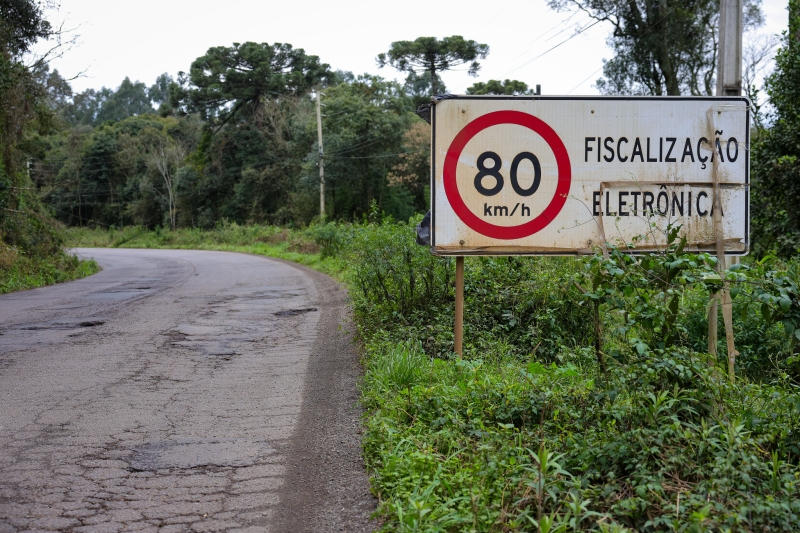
274	294
193	453
122	294
124	291
295	312
198	331
63	325
208	340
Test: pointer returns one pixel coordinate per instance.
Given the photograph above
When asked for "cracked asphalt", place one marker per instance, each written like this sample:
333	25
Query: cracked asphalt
181	391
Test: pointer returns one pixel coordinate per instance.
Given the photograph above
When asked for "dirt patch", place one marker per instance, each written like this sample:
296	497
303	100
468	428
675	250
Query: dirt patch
8	256
327	482
192	453
275	238
303	247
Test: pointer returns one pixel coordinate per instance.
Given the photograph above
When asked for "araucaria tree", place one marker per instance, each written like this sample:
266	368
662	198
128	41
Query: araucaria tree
507	87
661	47
432	55
229	81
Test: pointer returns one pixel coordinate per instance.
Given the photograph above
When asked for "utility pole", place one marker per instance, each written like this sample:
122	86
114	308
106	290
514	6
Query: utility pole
321	159
729	66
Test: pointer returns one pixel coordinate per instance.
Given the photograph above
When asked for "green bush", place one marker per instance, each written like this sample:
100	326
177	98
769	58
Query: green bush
394	280
329	237
529	433
464	454
398	368
19	271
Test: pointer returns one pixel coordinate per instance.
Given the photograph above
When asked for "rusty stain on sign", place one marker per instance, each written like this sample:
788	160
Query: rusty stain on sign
559	175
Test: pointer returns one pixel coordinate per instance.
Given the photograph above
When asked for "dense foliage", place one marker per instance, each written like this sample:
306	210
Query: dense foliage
235	140
660	48
30	241
541	426
776	152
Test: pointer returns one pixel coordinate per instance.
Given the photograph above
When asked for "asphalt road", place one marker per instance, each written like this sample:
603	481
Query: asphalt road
181	391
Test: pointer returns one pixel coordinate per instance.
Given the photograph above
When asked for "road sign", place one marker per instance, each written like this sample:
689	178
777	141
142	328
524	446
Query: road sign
560	175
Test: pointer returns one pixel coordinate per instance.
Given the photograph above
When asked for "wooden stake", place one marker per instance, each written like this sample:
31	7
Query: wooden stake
459	326
727	317
723	297
712	330
598	339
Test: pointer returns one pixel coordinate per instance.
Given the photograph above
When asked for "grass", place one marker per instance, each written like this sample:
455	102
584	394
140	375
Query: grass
292	245
20	272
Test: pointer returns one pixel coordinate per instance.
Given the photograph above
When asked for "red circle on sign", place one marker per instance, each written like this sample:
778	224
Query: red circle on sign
562	187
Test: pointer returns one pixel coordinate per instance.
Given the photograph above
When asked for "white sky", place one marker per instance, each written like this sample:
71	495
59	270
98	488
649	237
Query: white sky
144	38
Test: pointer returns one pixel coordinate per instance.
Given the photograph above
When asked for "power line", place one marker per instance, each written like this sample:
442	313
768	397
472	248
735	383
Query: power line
554	47
541	34
383	155
587	77
559	24
640	36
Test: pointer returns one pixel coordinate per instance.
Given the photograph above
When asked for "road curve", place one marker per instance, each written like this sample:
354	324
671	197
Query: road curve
180	391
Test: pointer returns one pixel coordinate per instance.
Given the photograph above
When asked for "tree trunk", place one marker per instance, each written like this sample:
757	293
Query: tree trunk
434	88
664	60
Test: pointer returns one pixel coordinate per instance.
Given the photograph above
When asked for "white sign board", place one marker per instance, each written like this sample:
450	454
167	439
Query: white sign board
560	175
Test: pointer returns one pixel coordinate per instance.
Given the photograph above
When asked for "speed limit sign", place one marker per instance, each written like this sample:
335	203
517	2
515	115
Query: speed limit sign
560	175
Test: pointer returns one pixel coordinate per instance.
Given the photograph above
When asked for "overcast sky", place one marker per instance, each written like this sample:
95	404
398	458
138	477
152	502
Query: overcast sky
142	39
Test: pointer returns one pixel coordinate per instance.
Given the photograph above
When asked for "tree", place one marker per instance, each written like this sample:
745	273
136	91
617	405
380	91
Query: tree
776	153
660	47
508	87
129	100
266	162
431	55
364	128
166	156
24	110
229	81
159	91
85	106
758	51
59	91
420	87
21	24
93	108
413	168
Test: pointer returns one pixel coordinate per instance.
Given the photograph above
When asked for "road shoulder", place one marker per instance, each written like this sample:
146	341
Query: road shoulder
326	485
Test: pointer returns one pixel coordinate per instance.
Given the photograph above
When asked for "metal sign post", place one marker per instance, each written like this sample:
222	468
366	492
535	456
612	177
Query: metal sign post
459	319
538	175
